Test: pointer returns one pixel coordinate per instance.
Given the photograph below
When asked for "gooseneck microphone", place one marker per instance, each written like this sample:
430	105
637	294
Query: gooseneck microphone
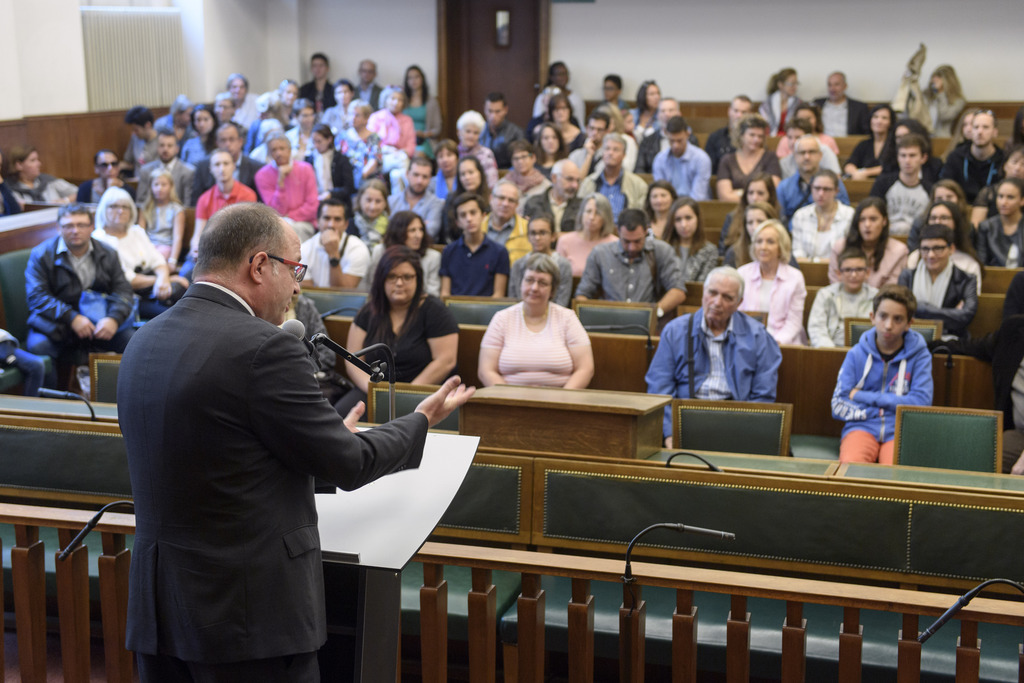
68	395
90	525
376	369
725	535
961	603
711	466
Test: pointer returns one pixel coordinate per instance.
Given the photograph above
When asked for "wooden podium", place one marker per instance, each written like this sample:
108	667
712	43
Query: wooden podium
577	421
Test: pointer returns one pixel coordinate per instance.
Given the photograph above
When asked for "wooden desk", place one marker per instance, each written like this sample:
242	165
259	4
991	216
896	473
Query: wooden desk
581	421
30	406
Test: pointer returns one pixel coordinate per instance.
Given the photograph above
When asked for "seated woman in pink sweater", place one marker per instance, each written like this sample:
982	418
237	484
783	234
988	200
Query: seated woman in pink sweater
289	186
397	133
536	342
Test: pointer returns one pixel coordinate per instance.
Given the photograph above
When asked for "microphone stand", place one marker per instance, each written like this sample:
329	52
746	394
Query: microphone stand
375	369
635	327
70	396
90	525
960	604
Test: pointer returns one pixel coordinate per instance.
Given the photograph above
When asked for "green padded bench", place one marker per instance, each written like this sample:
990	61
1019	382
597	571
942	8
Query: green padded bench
949	438
814	446
475	310
407	397
327	300
632	317
731	426
15	308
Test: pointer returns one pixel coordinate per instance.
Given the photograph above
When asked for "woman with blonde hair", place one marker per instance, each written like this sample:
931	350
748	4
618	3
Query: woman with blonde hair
773	286
945	99
594	225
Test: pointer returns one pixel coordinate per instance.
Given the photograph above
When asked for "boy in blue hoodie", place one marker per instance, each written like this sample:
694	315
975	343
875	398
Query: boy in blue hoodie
889	366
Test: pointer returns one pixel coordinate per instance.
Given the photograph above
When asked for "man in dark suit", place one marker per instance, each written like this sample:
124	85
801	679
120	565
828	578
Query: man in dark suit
230	138
841	115
225	428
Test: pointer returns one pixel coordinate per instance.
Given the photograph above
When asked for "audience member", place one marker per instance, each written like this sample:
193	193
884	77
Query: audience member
163	217
178	121
611	89
841	115
417	198
796	128
648	97
229	139
469	126
142	144
224	108
558	76
30	185
470	179
781	101
985	203
31	366
289	186
944	191
560	115
618	125
1017	136
635	268
542	241
869	231
447	155
319	90
906	192
78	299
964	256
866	159
760	188
943	291
423	109
524	174
202	144
684	232
945	99
332	384
586	156
337	116
287	95
932	169
144	267
532	129
301	134
361	145
750	158
334	174
594	225
741	245
371	215
979	165
848	298
418	328
720	142
334	257
660	195
397	134
717	353
536	342
504	225
107	167
550	148
499	132
1000	239
773	286
795	191
473	265
816	227
167	160
246	113
367	89
8	202
622	188
407	229
962	132
560	200
889	366
805	111
655	142
686	166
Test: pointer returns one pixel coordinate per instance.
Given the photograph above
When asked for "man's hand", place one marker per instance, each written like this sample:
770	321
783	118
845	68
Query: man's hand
282	174
82	326
853	392
1018	467
106	328
353	416
668	442
442	402
330	241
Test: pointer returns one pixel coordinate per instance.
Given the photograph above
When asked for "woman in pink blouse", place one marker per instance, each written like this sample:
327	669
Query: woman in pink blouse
869	231
594	225
773	286
536	342
289	186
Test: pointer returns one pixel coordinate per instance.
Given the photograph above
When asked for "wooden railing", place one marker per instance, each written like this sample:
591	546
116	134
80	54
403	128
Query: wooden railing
528	662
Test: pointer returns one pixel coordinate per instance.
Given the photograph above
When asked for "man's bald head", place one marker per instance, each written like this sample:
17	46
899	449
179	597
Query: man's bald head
235	233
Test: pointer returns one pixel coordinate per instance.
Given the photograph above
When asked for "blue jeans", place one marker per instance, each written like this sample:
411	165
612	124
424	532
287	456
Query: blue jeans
73	352
34	369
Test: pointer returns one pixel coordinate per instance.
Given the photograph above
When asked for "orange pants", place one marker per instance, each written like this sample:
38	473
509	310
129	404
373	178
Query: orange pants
858	446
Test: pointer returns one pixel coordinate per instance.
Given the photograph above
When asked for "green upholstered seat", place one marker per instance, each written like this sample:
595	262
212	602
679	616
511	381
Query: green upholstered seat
460	580
814	446
103	369
407	397
634	318
327	300
855	327
475	310
731	426
950	438
12	291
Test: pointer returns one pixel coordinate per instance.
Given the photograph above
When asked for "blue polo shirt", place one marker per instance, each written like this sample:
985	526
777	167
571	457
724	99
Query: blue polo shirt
472	273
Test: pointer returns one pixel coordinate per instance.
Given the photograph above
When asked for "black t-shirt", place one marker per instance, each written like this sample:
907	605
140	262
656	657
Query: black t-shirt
412	350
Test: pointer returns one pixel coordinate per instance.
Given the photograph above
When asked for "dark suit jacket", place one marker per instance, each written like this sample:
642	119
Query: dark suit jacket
963	287
858	116
1004	348
203	179
648	149
225	428
540	205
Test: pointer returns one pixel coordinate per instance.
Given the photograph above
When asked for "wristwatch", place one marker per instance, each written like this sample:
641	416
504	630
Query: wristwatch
335	262
661	312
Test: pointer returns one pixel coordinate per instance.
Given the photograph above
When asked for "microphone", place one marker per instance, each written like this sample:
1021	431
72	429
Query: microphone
294	326
960	604
68	395
635	327
627	577
711	466
375	370
90	525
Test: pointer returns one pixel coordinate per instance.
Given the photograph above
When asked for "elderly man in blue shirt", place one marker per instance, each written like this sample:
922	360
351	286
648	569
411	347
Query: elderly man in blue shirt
686	166
717	353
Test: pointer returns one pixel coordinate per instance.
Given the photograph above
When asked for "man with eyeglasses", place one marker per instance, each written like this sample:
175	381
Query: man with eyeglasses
943	291
107	167
542	241
225	428
504	225
851	297
78	298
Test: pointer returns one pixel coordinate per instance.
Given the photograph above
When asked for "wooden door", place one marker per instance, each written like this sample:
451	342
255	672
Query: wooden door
473	63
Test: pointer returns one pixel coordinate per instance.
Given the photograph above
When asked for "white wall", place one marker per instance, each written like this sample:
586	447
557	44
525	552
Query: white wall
714	50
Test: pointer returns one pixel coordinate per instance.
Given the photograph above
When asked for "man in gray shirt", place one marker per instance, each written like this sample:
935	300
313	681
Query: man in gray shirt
417	198
636	268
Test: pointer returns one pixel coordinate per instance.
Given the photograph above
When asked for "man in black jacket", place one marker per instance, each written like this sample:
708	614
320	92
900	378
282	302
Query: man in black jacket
840	115
943	291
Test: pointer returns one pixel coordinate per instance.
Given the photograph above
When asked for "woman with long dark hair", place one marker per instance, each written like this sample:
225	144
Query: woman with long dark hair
204	122
866	159
869	231
407	229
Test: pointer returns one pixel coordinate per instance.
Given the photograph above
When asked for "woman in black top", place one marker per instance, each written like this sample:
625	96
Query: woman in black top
866	160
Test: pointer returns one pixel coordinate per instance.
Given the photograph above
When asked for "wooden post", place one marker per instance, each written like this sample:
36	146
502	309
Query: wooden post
908	652
29	602
581	633
851	643
684	638
113	568
968	653
632	631
434	624
794	644
530	606
73	608
737	641
482	627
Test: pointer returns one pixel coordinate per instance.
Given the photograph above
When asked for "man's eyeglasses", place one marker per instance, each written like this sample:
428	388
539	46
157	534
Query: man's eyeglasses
107	164
298	269
853	271
933	250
